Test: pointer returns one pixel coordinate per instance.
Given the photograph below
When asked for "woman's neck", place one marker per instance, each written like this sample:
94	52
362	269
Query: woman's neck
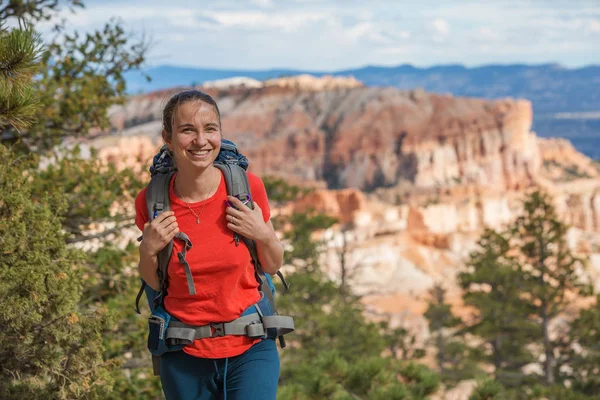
194	186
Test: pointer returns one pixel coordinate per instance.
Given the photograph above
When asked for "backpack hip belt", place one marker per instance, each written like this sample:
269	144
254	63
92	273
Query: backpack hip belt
251	325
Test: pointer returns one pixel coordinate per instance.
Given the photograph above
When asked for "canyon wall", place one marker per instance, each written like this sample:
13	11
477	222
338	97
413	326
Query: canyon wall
413	177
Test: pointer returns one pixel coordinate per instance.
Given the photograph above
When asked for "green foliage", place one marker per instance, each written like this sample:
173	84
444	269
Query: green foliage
489	389
401	343
455	359
336	353
102	198
20	52
551	271
493	283
280	191
304	250
33	10
584	358
82	77
69	329
55	349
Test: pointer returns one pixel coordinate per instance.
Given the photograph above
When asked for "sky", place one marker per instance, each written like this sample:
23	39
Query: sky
327	35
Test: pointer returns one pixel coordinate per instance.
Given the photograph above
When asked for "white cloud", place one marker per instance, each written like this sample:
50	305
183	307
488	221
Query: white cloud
488	34
322	35
261	20
594	26
263	3
441	26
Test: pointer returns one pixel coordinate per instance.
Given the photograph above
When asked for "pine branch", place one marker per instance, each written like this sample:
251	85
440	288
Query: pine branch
100	235
20	52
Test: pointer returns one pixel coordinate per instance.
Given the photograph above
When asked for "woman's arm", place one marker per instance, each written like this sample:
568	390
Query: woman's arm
157	234
270	250
148	267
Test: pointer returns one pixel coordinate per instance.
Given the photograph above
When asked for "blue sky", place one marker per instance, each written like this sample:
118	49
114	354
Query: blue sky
331	35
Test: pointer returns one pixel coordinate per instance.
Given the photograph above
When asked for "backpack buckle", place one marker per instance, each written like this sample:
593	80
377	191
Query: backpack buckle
218	329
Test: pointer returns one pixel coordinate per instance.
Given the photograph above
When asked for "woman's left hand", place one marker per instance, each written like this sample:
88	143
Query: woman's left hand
248	223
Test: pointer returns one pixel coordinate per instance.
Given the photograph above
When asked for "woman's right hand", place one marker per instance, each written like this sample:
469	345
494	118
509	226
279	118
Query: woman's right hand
158	233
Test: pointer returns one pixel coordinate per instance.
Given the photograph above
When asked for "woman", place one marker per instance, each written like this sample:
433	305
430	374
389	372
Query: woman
236	367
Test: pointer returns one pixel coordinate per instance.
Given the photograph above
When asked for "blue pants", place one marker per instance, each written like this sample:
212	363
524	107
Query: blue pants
252	375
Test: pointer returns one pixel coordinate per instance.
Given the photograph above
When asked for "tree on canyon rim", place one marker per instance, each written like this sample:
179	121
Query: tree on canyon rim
52	340
521	282
492	283
552	278
335	351
455	360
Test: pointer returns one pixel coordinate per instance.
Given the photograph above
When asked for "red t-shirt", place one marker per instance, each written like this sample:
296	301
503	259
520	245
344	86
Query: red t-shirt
223	272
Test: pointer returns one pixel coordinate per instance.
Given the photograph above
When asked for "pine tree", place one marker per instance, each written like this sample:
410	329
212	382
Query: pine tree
551	270
51	347
455	360
583	356
20	53
492	283
335	352
81	76
63	310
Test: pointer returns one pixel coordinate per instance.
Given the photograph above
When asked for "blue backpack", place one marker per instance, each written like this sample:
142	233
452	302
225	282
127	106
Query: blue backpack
260	320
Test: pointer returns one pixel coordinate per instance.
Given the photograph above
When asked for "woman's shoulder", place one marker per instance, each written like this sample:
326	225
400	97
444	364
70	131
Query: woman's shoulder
140	199
252	178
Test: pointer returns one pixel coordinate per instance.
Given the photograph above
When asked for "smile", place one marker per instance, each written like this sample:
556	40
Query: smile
199	153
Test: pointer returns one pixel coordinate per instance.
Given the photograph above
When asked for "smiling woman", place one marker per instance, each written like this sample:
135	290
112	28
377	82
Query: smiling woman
233	365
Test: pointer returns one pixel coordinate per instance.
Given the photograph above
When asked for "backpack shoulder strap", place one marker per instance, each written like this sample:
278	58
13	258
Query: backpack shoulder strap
158	201
238	186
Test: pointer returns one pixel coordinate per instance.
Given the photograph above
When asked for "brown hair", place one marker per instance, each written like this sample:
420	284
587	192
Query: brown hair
183	97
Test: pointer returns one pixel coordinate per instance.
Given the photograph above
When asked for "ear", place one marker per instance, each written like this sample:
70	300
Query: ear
166	138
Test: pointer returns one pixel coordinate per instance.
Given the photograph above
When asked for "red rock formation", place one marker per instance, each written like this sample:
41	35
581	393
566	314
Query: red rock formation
369	137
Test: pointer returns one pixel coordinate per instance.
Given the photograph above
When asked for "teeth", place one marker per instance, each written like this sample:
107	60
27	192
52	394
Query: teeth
200	152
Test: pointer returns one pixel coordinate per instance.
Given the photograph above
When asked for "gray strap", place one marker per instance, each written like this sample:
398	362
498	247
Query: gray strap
180	335
157	201
237	184
181	256
282	324
235	179
248	325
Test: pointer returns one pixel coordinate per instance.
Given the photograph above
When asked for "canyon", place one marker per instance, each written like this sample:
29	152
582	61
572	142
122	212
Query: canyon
412	177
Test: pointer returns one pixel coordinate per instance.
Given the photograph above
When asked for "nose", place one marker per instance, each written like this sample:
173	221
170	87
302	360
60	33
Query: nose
201	139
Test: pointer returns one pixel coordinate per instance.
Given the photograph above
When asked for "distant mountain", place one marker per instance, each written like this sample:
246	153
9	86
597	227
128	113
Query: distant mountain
552	89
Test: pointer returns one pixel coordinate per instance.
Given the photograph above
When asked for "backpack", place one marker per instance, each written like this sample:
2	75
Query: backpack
167	334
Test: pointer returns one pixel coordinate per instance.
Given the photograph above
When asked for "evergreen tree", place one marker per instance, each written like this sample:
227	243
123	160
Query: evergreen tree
489	389
583	357
20	53
335	353
493	283
455	360
80	78
401	343
304	251
67	316
51	347
551	271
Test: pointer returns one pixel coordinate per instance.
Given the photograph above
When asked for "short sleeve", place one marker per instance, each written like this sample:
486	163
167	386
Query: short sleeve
259	195
141	210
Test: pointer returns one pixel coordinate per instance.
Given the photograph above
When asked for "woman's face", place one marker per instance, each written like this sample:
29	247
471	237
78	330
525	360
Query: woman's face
196	137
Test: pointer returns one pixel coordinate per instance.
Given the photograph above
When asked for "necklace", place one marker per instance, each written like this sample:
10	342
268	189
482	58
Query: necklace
188	206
